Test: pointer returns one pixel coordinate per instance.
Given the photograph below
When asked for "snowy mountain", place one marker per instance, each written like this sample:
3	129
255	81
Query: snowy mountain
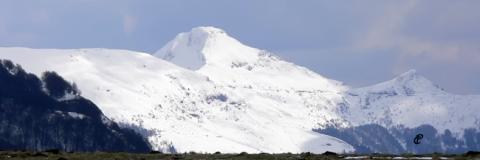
205	91
409	104
412	100
407	101
184	110
213	53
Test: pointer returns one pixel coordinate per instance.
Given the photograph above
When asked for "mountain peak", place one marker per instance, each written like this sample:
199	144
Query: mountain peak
211	51
407	83
411	82
208	30
410	75
411	72
205	45
200	36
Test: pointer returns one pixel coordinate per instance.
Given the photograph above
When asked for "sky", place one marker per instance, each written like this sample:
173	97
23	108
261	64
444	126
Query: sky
357	42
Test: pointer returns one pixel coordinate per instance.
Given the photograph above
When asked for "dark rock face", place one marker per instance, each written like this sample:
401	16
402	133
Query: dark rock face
373	138
49	113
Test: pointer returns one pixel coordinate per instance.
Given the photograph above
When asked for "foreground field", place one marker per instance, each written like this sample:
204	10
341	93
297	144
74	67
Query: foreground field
55	155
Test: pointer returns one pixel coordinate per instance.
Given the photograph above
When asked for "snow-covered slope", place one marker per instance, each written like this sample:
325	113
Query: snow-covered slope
263	79
412	100
182	108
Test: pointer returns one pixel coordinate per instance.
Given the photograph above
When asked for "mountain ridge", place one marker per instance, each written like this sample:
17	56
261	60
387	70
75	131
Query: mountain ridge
258	101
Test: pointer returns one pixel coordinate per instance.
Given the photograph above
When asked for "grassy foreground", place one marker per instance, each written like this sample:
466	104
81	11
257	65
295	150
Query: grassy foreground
55	155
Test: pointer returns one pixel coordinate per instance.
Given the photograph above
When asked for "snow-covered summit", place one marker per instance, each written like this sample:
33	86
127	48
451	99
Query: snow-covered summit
204	45
225	60
412	100
408	83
